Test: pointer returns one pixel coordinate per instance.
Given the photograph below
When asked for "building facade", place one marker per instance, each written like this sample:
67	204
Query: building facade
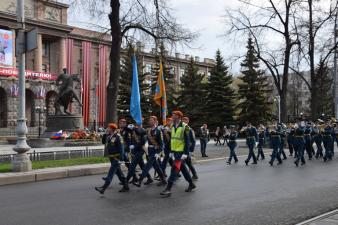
59	46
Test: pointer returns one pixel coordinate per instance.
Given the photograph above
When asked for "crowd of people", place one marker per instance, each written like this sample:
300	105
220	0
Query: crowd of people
126	144
300	137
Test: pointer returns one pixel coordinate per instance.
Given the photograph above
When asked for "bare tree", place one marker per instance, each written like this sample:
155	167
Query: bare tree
277	20
317	37
130	20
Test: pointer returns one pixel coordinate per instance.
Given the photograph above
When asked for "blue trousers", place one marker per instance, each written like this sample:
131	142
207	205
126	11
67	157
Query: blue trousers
260	149
165	160
115	168
136	160
319	152
174	171
190	166
232	147
275	153
328	149
299	146
203	146
152	162
251	145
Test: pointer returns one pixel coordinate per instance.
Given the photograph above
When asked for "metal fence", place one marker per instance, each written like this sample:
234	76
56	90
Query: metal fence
57	155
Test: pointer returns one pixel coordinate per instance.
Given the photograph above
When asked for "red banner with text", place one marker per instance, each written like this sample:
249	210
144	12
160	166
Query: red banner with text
13	72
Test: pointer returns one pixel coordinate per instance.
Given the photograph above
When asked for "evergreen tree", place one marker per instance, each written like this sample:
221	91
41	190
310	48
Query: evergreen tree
192	90
324	89
254	91
125	86
220	101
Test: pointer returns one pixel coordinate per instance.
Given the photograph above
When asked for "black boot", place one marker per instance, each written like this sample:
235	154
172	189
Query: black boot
149	181
162	182
190	187
166	192
125	187
195	177
102	188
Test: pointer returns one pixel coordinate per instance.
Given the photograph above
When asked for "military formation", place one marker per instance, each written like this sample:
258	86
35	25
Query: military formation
171	144
314	139
175	142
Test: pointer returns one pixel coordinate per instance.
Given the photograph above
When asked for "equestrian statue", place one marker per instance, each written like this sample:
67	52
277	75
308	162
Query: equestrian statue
66	92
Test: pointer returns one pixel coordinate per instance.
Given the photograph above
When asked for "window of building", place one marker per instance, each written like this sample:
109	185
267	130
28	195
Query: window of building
172	70
45	68
45	49
182	72
80	55
147	68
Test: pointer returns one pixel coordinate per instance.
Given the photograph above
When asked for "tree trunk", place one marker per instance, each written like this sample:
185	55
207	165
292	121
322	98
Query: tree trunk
112	89
314	97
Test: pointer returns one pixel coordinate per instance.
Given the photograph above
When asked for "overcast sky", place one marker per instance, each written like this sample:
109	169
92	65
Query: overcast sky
206	18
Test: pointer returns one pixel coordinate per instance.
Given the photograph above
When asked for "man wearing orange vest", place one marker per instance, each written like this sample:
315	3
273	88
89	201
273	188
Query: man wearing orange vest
179	152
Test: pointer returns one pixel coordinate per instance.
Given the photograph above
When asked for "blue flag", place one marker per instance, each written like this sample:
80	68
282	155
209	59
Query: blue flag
135	99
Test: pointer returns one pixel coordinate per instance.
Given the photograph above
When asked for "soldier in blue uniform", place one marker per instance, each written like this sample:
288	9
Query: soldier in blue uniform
137	143
155	147
261	140
299	145
125	133
275	139
114	150
327	141
166	138
308	141
251	139
192	143
282	134
318	139
232	144
290	133
179	153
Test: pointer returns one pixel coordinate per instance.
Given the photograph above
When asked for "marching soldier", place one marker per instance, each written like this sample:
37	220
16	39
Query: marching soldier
327	141
308	141
114	150
275	139
318	139
282	134
179	153
166	138
261	140
232	144
155	147
290	137
125	133
137	143
192	142
251	139
299	145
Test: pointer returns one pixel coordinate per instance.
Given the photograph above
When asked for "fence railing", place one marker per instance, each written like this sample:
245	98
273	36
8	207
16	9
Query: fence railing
57	155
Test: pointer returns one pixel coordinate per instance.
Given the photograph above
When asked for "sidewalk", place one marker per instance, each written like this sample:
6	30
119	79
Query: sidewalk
330	218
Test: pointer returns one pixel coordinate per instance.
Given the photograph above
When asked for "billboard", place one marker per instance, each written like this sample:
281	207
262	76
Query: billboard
6	48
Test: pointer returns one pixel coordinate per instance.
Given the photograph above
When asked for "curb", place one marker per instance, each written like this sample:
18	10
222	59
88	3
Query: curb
319	218
53	173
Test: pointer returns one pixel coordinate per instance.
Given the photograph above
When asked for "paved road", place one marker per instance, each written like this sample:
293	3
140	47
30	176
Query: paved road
233	195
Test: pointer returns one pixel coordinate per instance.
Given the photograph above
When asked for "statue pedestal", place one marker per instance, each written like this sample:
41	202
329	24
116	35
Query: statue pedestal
63	122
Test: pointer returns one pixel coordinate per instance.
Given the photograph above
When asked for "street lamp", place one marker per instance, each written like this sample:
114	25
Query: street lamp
277	99
301	116
40	110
